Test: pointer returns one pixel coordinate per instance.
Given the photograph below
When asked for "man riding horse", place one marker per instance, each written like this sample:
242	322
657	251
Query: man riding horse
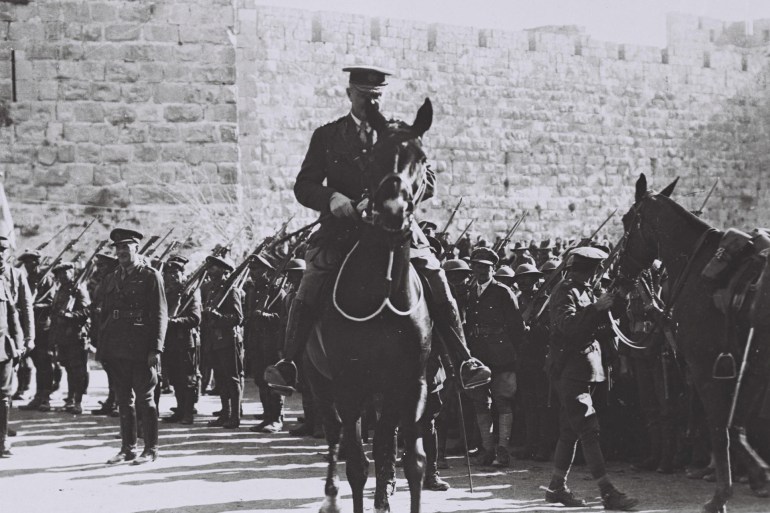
338	154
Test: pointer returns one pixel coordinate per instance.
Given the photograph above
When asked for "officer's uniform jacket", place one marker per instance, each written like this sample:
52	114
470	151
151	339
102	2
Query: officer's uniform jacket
43	298
493	326
11	337
183	329
574	323
337	156
22	299
134	314
225	332
68	331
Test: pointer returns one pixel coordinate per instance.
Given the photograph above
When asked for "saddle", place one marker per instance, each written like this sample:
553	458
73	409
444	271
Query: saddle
741	279
737	270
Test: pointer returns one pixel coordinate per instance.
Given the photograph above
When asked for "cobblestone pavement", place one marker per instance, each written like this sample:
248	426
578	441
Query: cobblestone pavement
58	466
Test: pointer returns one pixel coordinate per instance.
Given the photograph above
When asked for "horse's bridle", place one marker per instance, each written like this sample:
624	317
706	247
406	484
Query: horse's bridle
627	278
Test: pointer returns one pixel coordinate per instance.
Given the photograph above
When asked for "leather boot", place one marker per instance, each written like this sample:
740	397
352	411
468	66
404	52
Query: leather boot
77	407
188	406
178	411
447	320
150	423
234	422
33	405
224	413
650	463
276	414
127	435
282	377
432	480
57	374
23	378
5	448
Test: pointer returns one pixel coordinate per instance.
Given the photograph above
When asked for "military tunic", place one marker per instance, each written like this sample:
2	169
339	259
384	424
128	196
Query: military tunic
181	353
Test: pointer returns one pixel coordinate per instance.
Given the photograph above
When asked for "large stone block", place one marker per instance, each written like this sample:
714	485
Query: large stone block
182	113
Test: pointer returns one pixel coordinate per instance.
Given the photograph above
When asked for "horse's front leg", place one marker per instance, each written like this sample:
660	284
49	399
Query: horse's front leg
414	455
385	457
717	408
357	464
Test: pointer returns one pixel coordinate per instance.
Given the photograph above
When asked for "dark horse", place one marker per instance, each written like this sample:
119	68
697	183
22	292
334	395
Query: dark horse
375	333
657	227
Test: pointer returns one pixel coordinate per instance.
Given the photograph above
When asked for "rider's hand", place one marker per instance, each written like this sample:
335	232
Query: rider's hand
341	206
605	302
362	205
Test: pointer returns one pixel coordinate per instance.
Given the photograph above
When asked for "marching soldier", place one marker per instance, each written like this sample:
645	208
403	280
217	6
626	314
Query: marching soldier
182	349
69	315
132	322
222	325
335	157
11	348
576	363
42	355
267	309
495	328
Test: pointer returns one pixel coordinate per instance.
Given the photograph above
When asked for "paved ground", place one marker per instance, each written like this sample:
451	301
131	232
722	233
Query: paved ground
58	466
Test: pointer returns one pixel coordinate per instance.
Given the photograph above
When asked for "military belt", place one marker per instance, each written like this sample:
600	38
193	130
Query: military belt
127	314
485	330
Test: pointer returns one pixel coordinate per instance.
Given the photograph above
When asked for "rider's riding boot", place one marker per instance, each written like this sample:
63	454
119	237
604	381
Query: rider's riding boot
473	373
282	377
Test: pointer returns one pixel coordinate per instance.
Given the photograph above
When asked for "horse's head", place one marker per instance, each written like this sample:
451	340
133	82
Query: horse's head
396	167
640	243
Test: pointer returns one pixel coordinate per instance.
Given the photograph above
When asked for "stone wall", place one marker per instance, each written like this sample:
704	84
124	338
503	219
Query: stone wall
197	114
547	120
120	105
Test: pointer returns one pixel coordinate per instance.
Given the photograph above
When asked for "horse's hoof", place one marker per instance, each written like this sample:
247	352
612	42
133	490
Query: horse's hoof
330	505
710	507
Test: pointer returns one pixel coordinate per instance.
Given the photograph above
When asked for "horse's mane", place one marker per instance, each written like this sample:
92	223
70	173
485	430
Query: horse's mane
681	211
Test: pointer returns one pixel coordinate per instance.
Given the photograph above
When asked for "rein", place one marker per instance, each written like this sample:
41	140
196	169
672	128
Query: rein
386	303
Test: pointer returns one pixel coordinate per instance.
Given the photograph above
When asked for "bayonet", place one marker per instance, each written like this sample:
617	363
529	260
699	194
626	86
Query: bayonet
452	216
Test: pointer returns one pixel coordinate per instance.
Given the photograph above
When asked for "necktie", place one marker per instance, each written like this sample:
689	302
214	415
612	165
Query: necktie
365	135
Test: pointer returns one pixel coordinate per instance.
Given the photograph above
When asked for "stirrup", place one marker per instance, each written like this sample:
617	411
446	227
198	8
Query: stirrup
482	377
724	367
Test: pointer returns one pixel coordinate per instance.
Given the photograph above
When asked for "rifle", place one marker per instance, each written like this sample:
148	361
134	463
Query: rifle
45	244
149	243
529	315
279	271
83	275
507	239
237	277
449	249
150	252
69	246
699	212
452	216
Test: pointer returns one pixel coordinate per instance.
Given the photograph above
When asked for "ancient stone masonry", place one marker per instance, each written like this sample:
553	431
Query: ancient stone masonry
198	111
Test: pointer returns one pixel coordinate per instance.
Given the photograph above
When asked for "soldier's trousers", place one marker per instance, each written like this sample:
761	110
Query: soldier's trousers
42	357
6	383
228	372
180	364
135	384
74	358
578	421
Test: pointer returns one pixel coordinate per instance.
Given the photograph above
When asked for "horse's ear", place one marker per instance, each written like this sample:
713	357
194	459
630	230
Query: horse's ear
375	117
641	188
670	188
424	118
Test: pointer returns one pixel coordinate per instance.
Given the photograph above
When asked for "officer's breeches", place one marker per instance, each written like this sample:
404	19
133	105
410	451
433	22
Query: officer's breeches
6	380
578	420
134	380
